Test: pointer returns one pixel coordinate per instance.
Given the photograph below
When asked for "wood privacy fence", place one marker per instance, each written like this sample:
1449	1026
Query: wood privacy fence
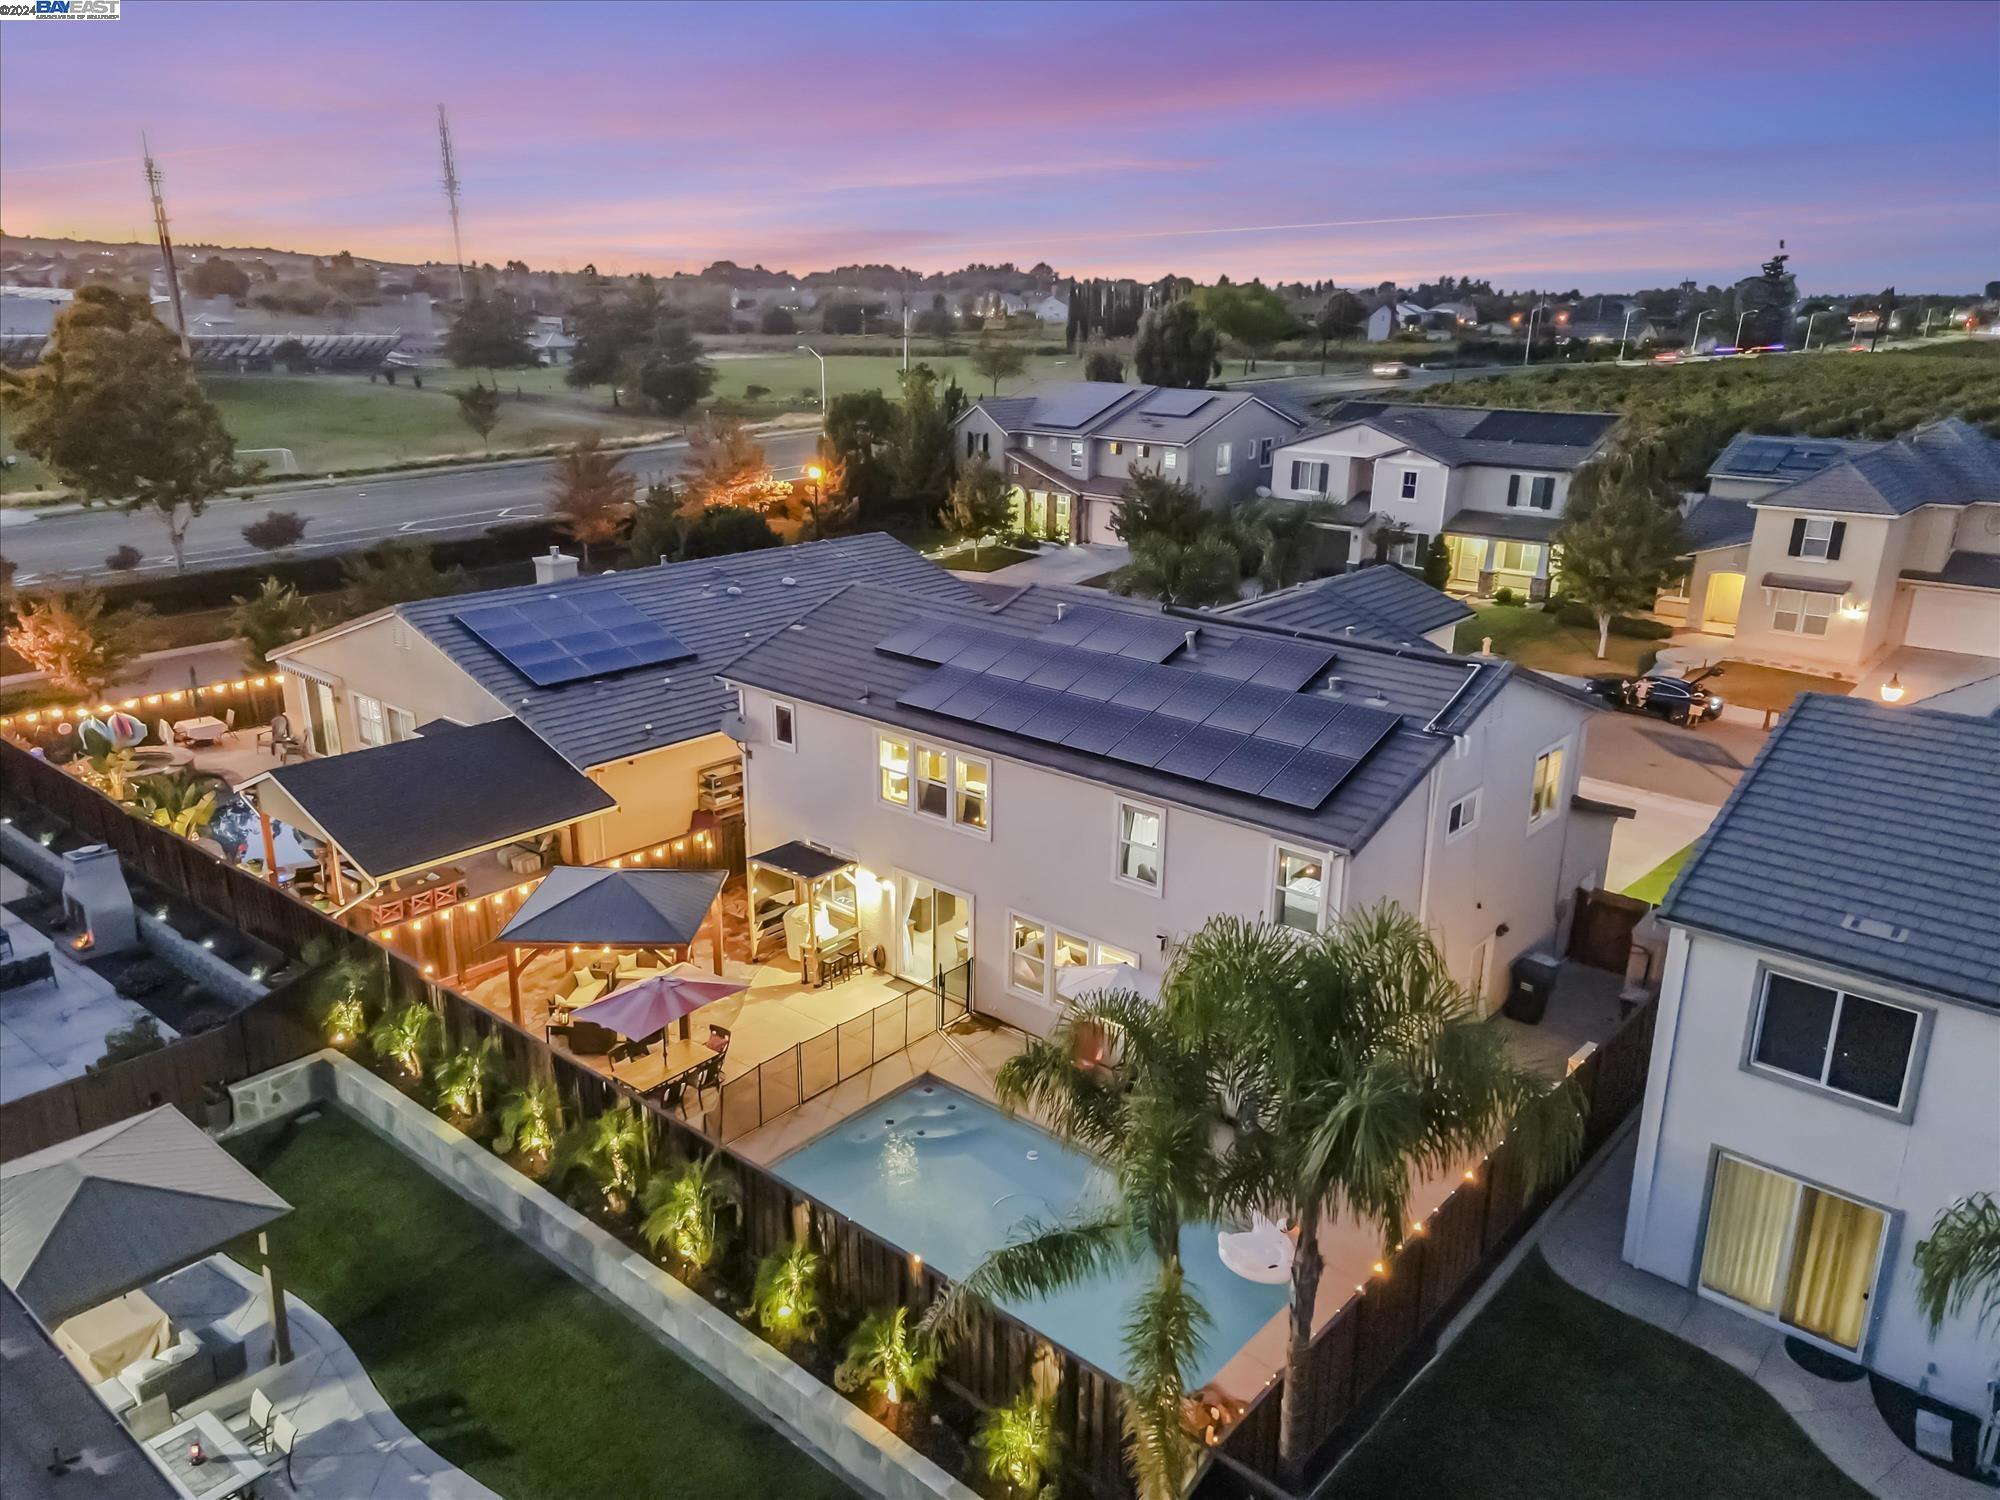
1601	935
1371	1337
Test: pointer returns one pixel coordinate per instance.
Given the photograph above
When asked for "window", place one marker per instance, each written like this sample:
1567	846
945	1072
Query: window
1106	954
1404	552
784	726
1409	484
1310	478
972	785
402	724
1170	459
1796	1253
1264	447
1815	538
1299	899
1462	816
893	773
1076	455
1676	587
1545	798
1139	841
1070	950
1542	492
1027	955
1222	455
1517	557
1844	1042
371	727
933	782
1145	450
1800	612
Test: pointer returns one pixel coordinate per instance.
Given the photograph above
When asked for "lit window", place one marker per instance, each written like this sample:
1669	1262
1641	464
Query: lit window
1106	954
972	793
1139	845
1462	816
933	782
1409	484
1222	456
894	761
1028	958
370	727
1847	1043
1301	890
1546	797
784	725
1071	949
1799	1254
1171	458
1117	448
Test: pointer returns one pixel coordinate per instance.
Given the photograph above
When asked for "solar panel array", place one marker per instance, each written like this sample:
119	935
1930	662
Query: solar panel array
570	637
1073	403
1565	428
1174	403
1233	732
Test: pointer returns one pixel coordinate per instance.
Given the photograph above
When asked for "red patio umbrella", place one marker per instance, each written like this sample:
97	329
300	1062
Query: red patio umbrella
649	1006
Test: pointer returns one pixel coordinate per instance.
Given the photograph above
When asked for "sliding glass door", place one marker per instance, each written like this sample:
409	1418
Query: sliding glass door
933	928
1800	1254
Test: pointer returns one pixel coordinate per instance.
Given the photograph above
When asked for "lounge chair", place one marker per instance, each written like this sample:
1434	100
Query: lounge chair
584	988
1261	1253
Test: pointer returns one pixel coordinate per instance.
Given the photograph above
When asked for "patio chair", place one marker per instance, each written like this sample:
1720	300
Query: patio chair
228	723
584	988
149	1418
588	1039
704	1076
718	1039
255	1430
282	1437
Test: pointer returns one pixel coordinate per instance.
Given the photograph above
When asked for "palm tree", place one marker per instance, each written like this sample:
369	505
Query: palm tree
1150	1121
1960	1260
1356	1066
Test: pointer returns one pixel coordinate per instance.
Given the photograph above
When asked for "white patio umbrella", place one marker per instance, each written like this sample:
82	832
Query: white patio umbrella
1074	981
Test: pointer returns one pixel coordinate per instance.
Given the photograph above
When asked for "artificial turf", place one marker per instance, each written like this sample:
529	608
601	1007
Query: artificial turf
500	1362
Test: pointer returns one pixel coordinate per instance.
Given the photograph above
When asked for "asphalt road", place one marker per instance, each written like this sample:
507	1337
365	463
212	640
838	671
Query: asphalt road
339	515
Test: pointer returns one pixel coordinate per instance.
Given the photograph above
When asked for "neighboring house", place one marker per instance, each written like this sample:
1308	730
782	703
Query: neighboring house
1068	778
1492	482
1612	330
1394	317
999	304
1836	557
551	342
1384	604
1826	1061
1068	446
620	746
1050	310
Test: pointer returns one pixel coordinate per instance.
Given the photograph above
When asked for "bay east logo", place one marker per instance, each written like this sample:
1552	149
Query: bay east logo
60	10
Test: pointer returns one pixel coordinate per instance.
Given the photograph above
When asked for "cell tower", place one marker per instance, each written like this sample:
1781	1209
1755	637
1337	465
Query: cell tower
166	244
451	196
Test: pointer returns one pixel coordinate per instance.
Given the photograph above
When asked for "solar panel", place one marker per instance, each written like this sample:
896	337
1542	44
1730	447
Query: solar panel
563	639
1015	704
1114	632
1176	403
1102	727
932	692
1308	779
1354	730
1200	752
1239	660
1058	718
1150	687
1570	429
1246	709
1150	740
981	654
1103	679
1060	669
1197	697
1252	766
906	641
1296	722
1020	663
973	699
1293	664
1073	403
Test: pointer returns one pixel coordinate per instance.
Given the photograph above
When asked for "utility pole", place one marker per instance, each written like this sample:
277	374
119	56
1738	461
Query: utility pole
451	196
172	271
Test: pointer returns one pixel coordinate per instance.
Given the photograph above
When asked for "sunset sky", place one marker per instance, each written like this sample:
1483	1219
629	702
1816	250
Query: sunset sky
1596	145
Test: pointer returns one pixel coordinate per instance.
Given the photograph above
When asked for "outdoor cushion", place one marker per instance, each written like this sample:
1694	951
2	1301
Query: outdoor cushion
116	1395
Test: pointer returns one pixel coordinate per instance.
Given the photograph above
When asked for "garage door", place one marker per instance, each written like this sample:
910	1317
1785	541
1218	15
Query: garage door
1962	620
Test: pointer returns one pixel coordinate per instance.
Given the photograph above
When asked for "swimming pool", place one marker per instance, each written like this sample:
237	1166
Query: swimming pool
948	1176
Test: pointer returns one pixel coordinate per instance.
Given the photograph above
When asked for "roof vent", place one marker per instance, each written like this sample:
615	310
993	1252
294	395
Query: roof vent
795	625
1060	608
1350	630
1873	927
647	727
789	582
732	591
864	693
1333	684
1188	636
1377	699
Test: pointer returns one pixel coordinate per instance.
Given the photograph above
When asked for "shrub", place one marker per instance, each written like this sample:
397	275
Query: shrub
1505	596
1018	1442
882	1357
529	1119
608	1150
148	976
680	1211
405	1035
752	392
786	1293
125	559
463	1076
135	1040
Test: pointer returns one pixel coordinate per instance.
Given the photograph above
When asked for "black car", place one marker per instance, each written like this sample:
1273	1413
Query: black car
1679	700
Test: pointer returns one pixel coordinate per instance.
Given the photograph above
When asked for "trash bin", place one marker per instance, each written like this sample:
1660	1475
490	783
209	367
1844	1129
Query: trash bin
1533	980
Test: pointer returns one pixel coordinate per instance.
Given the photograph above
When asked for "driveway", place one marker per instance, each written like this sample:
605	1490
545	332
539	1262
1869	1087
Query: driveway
1059	565
1674	780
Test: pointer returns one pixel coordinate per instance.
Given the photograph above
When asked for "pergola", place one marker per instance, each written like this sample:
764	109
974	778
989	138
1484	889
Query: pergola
587	906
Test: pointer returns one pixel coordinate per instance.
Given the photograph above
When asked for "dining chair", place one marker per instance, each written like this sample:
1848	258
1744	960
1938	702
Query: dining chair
283	1437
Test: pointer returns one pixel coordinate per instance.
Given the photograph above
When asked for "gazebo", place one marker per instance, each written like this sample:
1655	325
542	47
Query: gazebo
579	906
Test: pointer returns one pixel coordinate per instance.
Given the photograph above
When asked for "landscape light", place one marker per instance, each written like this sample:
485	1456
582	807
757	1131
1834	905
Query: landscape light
1892	690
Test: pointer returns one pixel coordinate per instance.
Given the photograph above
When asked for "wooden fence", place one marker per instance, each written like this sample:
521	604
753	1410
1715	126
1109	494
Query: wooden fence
1601	935
1377	1331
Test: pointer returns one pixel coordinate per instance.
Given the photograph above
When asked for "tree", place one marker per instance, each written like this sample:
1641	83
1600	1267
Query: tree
857	436
997	362
1102	364
115	412
488	333
1357	1065
219	277
76	643
1283	538
822	506
1620	534
667	366
726	466
719	533
291	354
979	499
1339	319
1176	347
1958	1262
1437	562
1153	505
920	455
274	616
395	572
777	320
479	409
1193	574
277	531
1252	314
593	496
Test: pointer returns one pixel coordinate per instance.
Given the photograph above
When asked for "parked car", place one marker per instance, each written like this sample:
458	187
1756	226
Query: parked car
1390	369
1679	700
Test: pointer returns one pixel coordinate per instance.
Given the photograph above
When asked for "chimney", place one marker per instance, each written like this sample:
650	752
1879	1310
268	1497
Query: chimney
97	902
555	567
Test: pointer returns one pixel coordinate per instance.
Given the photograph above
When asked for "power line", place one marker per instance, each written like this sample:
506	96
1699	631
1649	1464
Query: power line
153	187
451	196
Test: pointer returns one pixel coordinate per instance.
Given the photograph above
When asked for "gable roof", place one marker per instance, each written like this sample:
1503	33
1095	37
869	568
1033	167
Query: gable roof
715	606
1866	838
1781	460
1504	436
829	657
1136	413
1949	462
1715	522
1381	603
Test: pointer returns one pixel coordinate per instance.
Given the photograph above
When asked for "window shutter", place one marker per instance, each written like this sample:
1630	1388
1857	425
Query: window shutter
1833	542
1513	490
1798	537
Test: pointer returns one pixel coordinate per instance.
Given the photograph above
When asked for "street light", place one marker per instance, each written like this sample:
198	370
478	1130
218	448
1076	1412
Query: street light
806	349
1623	332
1528	348
1810	320
1739	326
1694	340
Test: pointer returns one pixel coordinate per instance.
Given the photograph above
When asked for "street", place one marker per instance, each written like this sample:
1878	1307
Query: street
340	515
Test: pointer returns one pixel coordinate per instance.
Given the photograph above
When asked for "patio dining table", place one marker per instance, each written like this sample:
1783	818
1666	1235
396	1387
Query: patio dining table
227	1467
204	730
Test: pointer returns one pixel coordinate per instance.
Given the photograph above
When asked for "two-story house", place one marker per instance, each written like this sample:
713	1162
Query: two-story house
1492	482
1068	446
1842	557
1826	1064
1066	779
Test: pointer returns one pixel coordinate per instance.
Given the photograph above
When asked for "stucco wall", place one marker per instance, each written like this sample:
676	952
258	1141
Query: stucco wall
1485	488
656	797
388	660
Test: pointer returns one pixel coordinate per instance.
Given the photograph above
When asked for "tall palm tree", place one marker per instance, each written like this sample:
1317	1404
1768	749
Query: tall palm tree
1357	1066
1960	1260
1150	1120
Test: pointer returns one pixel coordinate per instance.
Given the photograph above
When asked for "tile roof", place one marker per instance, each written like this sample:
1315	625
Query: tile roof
1972	570
717	606
1751	455
1714	522
828	657
1382	603
1866	838
1949	462
1138	413
1503	525
1479	434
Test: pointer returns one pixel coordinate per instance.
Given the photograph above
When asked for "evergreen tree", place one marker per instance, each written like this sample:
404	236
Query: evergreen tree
1620	534
489	333
479	409
1176	347
921	456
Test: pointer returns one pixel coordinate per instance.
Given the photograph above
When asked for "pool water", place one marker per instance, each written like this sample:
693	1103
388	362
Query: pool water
949	1177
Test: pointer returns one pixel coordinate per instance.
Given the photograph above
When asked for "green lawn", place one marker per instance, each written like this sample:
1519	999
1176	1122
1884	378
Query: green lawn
505	1366
790	377
1652	886
985	560
1551	1393
1535	638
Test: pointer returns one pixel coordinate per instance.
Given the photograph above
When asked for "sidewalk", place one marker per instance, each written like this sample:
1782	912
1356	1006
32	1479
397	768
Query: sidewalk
1059	565
1582	1240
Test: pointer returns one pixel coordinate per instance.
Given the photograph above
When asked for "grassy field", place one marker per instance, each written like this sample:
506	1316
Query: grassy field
1551	1393
498	1361
1652	886
795	377
1537	639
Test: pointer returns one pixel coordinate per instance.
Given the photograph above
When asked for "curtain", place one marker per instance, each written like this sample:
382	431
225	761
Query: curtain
1747	1215
1832	1267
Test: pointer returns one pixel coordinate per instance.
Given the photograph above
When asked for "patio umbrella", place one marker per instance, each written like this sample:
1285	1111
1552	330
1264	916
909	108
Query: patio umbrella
1074	981
642	1009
